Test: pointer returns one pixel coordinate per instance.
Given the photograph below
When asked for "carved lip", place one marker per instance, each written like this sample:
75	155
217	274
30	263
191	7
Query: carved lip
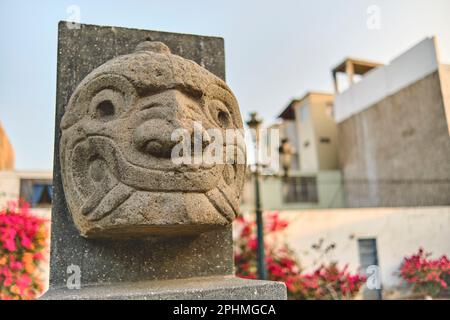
186	178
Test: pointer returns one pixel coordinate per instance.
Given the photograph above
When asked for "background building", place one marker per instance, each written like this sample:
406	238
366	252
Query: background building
364	237
388	133
6	151
394	143
314	179
35	187
317	132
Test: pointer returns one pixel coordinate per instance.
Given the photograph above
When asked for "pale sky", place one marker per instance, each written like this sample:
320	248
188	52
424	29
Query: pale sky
275	50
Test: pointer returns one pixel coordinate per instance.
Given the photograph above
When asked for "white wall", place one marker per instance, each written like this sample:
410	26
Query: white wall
398	232
308	154
411	66
9	187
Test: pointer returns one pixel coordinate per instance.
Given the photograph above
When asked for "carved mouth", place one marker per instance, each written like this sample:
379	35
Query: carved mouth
171	178
105	179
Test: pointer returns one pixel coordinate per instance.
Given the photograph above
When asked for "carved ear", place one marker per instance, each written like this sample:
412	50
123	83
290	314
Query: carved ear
70	118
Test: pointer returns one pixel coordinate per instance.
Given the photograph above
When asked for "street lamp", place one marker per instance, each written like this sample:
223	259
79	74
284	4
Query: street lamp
255	125
286	151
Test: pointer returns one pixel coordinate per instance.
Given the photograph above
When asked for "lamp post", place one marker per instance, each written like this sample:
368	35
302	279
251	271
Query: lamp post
255	125
285	152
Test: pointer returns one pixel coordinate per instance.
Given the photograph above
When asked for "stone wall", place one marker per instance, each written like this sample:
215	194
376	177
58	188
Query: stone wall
397	152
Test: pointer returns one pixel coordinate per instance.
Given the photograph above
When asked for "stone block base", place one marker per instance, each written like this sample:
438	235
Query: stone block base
203	288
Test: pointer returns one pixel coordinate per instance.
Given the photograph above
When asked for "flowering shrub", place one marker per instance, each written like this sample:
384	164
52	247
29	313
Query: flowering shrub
281	262
329	282
23	243
428	277
326	282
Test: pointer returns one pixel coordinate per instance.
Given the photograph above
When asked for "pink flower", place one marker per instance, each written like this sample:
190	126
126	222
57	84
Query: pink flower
253	243
10	245
23	282
26	242
22	245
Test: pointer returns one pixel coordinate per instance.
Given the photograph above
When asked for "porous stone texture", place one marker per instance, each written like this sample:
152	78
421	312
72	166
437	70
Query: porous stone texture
141	253
207	288
121	170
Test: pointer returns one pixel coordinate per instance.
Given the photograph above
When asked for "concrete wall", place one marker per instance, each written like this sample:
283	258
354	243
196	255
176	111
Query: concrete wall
398	232
397	152
376	85
444	75
6	151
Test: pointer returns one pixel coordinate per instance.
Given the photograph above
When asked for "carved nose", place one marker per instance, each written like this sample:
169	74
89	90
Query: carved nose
154	137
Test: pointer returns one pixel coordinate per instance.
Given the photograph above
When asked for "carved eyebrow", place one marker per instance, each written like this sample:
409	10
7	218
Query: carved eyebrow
144	91
195	108
110	81
224	94
151	105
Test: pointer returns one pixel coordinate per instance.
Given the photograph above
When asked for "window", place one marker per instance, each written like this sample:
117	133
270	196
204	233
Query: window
38	193
325	140
368	257
299	189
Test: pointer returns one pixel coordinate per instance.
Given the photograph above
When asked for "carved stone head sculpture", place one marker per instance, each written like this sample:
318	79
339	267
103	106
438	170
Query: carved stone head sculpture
118	172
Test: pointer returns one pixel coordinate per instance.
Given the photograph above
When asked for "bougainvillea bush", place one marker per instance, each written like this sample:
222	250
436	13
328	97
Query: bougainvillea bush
23	247
428	277
328	281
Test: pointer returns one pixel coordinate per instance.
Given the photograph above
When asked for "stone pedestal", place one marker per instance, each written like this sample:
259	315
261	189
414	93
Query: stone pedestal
207	288
188	266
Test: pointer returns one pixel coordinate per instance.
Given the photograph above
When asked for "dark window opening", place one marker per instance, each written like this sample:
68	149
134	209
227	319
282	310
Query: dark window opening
368	257
325	140
38	193
300	189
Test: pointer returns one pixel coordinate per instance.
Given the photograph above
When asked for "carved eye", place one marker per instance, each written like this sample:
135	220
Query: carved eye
220	114
105	110
107	105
